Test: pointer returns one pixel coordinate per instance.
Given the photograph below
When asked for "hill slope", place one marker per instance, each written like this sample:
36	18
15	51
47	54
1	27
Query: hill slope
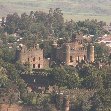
80	8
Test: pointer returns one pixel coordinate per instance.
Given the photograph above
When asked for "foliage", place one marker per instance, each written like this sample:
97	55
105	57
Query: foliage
43	28
101	100
69	78
41	25
102	52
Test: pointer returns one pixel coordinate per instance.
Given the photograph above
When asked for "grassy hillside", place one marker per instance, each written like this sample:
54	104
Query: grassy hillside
75	9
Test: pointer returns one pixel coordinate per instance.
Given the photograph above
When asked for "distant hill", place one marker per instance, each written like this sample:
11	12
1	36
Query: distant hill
100	9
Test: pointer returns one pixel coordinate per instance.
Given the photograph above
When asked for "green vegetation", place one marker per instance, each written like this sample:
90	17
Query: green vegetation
75	9
41	27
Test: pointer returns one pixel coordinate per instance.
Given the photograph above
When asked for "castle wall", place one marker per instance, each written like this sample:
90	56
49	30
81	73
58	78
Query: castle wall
60	55
46	63
71	53
77	56
15	107
33	57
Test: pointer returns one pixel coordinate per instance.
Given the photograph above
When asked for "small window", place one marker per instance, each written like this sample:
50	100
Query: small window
71	60
39	58
84	57
38	66
34	66
34	59
28	59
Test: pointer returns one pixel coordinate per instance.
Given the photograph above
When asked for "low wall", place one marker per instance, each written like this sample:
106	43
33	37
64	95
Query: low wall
7	107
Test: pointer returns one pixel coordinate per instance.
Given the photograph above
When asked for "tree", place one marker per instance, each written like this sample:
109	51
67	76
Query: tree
101	52
59	76
3	77
12	21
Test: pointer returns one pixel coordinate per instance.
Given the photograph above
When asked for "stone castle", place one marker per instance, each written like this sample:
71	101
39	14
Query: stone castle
74	52
67	54
32	56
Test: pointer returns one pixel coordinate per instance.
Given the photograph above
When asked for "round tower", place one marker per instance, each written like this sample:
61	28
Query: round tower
3	21
67	54
66	103
20	51
54	50
17	54
90	53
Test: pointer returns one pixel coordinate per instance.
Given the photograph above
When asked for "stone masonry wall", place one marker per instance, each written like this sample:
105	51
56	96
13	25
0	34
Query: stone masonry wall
7	107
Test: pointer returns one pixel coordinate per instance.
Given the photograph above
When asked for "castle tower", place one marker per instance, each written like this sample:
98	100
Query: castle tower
19	50
17	54
90	53
67	54
54	50
66	103
3	21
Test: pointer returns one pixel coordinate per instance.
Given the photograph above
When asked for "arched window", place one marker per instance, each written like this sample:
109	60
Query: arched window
71	60
33	66
34	59
38	66
84	57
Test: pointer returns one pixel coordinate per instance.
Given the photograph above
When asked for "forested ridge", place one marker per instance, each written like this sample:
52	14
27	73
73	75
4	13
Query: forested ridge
90	8
43	28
